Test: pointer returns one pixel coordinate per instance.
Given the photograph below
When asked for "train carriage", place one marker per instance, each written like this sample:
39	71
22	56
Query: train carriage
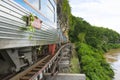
11	13
19	38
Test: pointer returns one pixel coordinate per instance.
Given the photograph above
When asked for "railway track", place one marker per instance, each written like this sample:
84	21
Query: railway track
37	71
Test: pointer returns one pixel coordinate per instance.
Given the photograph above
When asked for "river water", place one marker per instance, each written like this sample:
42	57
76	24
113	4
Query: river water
113	57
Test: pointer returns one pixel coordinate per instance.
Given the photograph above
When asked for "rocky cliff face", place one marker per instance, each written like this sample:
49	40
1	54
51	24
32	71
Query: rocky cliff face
64	14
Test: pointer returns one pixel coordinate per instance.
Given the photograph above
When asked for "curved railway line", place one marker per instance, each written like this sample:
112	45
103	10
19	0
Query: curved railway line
45	65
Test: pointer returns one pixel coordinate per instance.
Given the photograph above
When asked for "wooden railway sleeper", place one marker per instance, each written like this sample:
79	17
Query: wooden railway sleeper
40	67
35	70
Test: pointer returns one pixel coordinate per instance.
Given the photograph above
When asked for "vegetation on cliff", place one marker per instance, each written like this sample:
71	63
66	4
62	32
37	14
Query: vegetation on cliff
93	63
64	14
97	37
91	42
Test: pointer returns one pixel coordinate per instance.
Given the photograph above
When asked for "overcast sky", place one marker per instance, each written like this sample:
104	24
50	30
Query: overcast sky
103	13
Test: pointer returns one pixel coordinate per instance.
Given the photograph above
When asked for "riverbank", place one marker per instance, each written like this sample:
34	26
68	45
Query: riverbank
93	63
113	57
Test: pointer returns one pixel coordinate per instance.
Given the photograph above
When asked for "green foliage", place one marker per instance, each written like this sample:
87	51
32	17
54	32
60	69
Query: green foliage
109	46
75	67
28	28
66	10
77	26
25	18
94	36
93	63
81	37
28	19
91	42
64	14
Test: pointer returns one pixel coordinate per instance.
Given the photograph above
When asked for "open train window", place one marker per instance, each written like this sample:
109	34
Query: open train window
35	3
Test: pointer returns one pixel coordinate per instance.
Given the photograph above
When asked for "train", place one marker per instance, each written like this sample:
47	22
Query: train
26	27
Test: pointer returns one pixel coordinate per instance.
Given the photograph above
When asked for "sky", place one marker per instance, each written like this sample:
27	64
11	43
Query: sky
102	13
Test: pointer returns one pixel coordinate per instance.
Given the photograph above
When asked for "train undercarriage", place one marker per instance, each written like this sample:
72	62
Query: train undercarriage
18	59
15	61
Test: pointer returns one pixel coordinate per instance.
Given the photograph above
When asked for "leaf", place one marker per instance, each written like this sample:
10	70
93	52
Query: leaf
30	37
25	18
23	28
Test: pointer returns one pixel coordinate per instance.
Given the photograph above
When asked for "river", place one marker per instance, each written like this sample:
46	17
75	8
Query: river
113	57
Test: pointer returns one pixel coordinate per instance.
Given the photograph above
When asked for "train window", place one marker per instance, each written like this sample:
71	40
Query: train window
51	6
51	11
35	3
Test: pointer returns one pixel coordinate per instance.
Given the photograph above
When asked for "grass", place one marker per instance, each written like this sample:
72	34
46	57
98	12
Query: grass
75	67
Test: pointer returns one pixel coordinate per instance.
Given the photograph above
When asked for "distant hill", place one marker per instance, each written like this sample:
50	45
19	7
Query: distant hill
97	37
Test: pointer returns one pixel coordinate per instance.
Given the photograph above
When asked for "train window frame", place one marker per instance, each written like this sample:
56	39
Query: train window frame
40	5
33	2
53	11
38	10
52	5
28	3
